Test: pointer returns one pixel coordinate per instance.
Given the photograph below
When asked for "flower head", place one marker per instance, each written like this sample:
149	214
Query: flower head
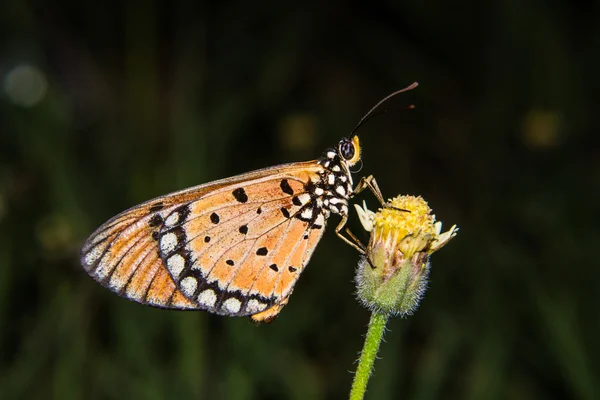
392	275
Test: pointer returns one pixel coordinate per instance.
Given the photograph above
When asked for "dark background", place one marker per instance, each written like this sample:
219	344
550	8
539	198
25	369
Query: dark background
106	104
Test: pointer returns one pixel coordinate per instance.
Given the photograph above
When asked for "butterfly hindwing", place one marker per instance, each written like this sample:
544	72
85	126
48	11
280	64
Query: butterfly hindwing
230	250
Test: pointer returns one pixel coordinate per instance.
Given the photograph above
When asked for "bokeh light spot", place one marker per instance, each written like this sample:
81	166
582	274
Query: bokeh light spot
541	129
25	85
298	132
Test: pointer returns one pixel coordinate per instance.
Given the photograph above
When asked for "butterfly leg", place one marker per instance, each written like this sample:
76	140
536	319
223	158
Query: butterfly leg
356	240
369	182
353	241
363	183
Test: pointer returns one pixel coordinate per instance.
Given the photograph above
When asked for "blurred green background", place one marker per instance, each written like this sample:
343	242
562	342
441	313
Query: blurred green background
106	104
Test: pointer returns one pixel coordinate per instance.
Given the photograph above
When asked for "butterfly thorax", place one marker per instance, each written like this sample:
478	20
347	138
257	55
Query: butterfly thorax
329	191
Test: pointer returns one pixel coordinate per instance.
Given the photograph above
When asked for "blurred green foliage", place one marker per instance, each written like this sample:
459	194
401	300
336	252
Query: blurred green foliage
106	104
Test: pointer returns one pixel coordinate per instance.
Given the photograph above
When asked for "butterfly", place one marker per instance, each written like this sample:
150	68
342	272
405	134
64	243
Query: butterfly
233	247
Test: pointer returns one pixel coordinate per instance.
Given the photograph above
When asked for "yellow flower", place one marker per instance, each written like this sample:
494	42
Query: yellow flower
392	275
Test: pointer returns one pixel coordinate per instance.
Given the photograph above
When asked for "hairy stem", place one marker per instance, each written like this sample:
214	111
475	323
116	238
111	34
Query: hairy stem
368	354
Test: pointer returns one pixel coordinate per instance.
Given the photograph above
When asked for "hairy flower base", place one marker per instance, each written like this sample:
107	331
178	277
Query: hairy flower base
392	275
399	294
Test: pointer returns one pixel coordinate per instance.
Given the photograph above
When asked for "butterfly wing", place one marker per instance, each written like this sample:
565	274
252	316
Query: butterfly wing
232	247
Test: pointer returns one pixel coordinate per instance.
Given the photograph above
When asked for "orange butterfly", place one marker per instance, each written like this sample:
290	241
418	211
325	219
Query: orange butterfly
233	247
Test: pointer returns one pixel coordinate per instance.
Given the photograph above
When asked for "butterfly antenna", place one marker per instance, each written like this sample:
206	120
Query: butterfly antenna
372	112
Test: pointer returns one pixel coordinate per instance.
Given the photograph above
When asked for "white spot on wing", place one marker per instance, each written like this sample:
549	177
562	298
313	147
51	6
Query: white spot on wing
168	242
336	168
331	179
319	191
307	213
255	306
340	190
207	298
175	264
232	305
172	219
304	198
330	154
189	285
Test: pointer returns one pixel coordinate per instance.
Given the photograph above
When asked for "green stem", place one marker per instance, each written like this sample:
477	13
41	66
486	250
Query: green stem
368	354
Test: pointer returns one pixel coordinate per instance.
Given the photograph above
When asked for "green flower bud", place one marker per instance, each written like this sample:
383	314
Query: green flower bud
392	275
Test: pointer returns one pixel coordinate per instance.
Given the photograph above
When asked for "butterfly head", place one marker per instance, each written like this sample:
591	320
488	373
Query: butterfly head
349	150
338	160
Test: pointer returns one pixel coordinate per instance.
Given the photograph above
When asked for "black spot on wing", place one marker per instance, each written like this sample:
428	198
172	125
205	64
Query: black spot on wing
214	218
240	195
285	212
244	229
285	187
263	251
274	267
183	213
155	221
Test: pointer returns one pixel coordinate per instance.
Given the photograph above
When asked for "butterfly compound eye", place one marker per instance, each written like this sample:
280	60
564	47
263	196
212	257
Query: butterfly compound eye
347	149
